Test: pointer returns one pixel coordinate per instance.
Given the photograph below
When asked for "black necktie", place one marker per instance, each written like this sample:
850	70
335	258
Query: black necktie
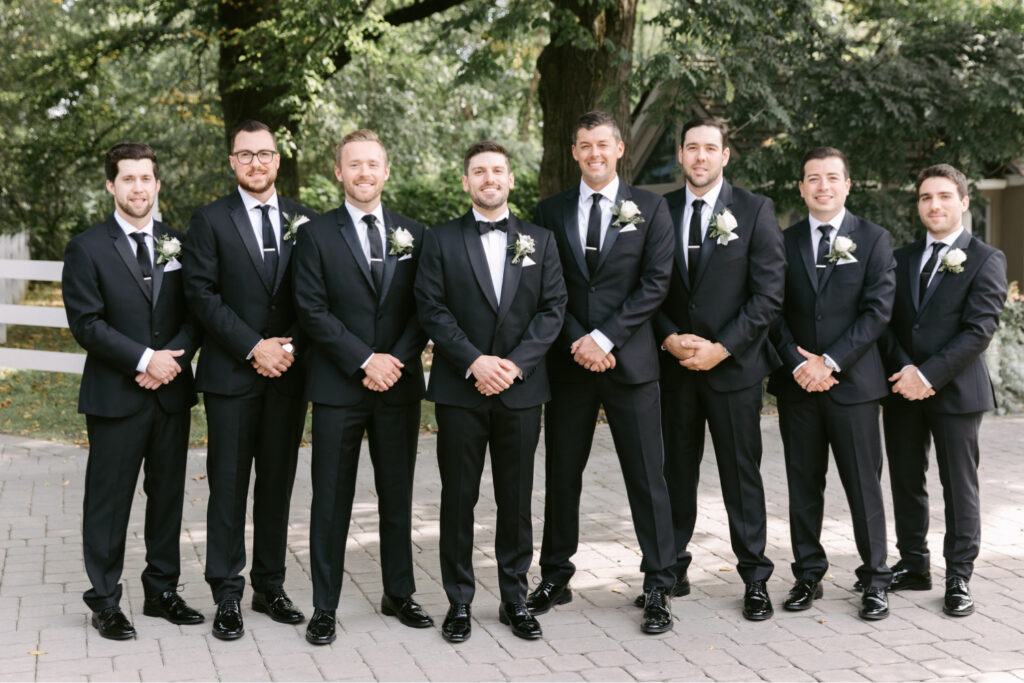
486	226
693	247
376	250
926	272
593	250
269	245
824	247
142	255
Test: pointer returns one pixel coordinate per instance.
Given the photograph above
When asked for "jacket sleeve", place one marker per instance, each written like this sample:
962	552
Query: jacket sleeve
546	324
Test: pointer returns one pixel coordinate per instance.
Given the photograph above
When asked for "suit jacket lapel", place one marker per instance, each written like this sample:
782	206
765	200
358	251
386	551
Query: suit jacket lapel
285	247
845	230
914	272
351	237
477	258
390	260
512	273
158	268
806	248
676	209
708	246
613	231
961	243
572	230
124	250
243	225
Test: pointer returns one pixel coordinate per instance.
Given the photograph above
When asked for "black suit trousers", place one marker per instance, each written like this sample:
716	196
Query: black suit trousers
463	437
909	429
261	429
734	419
337	438
156	442
808	426
634	417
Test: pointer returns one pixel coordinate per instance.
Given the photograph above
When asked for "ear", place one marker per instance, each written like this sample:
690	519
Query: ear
465	183
110	187
337	174
511	180
725	156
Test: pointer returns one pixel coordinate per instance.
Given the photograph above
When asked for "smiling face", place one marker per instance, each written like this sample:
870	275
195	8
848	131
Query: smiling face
825	187
135	189
363	169
940	206
703	156
597	151
256	178
488	180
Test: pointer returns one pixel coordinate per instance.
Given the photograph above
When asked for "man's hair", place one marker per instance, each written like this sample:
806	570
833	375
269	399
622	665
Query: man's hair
593	119
482	147
824	153
705	121
251	126
944	171
128	150
361	135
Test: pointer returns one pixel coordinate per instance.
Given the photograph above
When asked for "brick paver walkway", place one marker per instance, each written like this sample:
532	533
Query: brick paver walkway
44	632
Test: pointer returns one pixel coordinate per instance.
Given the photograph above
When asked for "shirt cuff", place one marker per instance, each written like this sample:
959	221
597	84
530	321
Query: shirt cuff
249	357
831	363
366	362
147	356
604	342
797	368
923	378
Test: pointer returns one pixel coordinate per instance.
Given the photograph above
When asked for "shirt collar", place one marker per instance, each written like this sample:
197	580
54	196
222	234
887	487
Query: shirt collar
836	221
480	217
609	191
710	197
129	228
948	240
252	203
356	214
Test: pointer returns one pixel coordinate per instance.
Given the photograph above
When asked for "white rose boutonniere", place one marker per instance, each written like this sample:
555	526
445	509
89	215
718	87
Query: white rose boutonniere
401	241
842	250
167	249
953	262
295	221
523	246
626	213
723	227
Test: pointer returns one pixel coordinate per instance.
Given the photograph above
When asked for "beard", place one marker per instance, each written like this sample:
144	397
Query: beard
257	184
709	180
489	204
129	210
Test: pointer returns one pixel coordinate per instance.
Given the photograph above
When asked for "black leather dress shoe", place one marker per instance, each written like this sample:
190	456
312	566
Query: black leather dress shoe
320	629
517	615
874	604
276	604
802	595
657	616
113	624
170	606
456	627
906	580
227	624
757	606
407	611
958	601
547	595
680	588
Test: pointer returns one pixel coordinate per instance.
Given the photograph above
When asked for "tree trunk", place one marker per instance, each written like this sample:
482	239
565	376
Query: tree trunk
575	80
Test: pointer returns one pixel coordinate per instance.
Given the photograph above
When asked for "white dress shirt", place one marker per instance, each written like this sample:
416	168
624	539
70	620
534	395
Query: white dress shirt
608	194
835	222
356	214
252	207
147	230
710	198
495	245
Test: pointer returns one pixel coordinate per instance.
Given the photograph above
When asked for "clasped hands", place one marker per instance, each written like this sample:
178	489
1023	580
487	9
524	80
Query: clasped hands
493	374
382	371
695	352
161	370
813	375
590	355
270	358
909	385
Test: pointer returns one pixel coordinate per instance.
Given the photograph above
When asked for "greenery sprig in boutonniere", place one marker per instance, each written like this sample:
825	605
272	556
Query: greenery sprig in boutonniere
524	246
627	213
167	249
842	250
723	227
400	240
295	221
953	262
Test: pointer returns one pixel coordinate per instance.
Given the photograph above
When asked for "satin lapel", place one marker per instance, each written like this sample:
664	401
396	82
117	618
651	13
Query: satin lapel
961	243
244	227
914	272
124	250
676	210
806	249
158	268
572	230
845	230
351	237
390	260
513	272
285	251
477	259
613	231
708	246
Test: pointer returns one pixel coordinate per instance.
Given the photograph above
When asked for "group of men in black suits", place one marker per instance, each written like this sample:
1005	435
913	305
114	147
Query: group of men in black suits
668	312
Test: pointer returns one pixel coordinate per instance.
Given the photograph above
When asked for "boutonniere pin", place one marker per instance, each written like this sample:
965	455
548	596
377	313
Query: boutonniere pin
723	228
842	250
167	249
296	221
400	240
953	262
523	246
627	213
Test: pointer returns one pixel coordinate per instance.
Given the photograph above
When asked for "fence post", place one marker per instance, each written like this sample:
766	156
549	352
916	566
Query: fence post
12	246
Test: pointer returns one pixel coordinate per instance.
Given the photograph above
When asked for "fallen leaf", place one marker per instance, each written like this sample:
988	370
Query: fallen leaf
37	652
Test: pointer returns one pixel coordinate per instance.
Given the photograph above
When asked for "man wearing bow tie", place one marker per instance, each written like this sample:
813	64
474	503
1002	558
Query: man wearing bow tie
490	294
125	306
950	292
238	282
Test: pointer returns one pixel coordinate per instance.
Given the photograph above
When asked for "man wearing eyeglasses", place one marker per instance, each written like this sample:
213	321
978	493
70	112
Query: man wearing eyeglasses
238	281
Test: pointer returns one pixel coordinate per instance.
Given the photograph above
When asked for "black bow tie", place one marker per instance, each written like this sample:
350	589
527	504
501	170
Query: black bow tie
486	226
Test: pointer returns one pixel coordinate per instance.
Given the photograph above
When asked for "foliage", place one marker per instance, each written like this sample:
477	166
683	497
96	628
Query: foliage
1005	356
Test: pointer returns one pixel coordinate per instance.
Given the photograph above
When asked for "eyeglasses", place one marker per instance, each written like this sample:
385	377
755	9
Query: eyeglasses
264	155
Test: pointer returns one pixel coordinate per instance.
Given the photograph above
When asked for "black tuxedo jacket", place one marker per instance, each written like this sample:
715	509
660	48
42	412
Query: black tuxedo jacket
458	310
232	299
843	316
115	319
347	319
946	335
738	291
630	281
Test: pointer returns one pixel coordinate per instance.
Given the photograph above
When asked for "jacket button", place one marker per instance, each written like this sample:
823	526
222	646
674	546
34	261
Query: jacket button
156	334
693	307
273	307
593	289
818	317
917	326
